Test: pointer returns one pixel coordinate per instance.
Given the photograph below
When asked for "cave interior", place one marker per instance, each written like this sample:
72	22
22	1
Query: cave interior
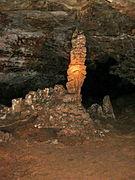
45	132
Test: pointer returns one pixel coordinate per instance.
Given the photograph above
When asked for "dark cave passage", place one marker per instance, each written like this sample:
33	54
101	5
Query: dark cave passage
99	82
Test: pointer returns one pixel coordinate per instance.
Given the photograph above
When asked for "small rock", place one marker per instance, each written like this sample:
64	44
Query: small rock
16	105
5	137
53	141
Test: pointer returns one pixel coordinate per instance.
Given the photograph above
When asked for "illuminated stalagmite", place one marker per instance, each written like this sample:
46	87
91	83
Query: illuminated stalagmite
77	69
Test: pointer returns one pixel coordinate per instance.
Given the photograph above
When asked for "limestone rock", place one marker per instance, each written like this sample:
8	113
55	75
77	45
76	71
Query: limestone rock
35	40
16	105
49	108
107	108
5	137
103	113
77	69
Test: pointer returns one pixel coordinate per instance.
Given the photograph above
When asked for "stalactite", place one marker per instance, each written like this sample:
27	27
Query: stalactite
77	69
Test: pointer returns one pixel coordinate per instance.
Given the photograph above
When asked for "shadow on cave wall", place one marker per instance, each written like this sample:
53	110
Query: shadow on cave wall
99	82
19	90
18	87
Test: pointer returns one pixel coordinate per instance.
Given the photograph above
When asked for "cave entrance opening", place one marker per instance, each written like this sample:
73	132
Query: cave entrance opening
99	83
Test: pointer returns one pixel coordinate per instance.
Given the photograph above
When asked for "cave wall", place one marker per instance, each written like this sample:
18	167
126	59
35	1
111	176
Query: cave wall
35	40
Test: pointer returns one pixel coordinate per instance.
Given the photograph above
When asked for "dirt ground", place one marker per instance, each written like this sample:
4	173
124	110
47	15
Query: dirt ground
39	154
111	158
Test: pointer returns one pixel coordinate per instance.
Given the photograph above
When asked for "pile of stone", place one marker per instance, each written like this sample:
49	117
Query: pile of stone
54	108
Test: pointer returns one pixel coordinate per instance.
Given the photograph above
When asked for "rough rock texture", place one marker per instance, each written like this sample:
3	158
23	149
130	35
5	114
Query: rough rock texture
77	70
54	108
35	40
49	108
5	137
124	7
102	113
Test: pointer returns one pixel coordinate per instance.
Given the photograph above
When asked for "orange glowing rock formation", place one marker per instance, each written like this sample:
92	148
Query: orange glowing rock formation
77	69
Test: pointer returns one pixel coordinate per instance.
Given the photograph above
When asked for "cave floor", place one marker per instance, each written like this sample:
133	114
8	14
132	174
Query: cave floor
111	158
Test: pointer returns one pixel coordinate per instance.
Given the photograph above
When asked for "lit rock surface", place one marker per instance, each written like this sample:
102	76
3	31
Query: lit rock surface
77	70
49	108
35	40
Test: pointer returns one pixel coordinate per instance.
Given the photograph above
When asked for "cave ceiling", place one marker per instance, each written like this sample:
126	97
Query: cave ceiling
35	38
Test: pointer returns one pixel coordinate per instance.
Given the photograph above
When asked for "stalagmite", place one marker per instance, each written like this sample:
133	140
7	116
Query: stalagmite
16	105
77	69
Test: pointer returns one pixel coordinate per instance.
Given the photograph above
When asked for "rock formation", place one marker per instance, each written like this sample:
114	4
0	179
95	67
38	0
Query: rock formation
104	112
48	108
77	69
35	40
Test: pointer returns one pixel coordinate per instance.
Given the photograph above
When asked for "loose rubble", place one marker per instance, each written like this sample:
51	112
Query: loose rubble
56	108
5	137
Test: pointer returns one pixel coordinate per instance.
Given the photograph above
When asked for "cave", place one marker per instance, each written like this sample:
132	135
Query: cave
100	82
67	89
